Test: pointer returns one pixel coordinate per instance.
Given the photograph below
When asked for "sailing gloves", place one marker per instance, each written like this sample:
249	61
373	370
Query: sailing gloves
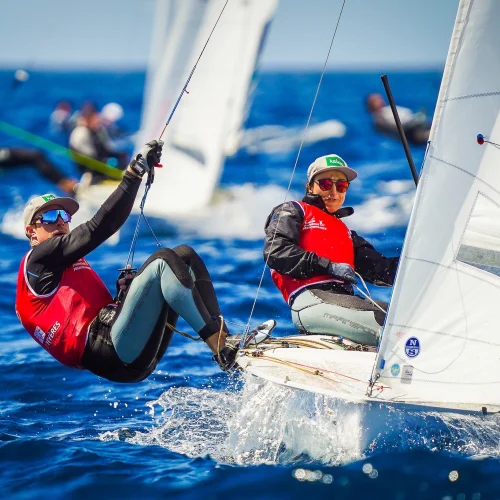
127	274
343	272
147	159
226	358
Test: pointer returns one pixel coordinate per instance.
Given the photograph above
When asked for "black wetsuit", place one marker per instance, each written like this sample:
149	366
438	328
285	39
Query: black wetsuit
15	157
48	261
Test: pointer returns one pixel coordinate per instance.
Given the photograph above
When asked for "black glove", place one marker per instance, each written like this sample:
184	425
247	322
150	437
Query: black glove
227	358
127	274
147	159
343	272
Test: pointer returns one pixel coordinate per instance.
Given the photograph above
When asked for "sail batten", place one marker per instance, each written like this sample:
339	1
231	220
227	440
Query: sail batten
441	341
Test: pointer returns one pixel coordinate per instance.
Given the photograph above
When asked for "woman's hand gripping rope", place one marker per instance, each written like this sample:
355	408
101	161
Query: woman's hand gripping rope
147	159
127	274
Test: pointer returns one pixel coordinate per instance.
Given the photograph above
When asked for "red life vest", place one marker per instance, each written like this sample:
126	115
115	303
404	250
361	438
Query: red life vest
326	236
59	321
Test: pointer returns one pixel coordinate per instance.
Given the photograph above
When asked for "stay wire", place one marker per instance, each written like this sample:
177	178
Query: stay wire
192	71
130	258
247	328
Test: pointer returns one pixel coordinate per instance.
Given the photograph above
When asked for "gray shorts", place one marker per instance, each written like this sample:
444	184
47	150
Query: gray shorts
350	316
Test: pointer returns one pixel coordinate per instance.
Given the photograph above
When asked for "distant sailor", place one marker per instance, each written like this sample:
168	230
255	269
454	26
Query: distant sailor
19	157
91	138
313	257
67	309
415	125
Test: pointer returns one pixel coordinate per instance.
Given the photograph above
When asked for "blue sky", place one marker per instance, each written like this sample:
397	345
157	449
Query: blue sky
116	33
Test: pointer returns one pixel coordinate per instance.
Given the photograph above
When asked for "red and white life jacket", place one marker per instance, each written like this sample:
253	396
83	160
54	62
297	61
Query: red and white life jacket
59	321
324	235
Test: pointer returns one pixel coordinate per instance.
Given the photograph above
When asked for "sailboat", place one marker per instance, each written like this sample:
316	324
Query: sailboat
207	124
440	345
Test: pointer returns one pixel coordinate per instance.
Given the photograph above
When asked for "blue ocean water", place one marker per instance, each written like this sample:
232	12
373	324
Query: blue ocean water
189	431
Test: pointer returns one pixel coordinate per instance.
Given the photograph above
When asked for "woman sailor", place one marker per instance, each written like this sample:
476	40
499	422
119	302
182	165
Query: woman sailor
314	258
67	309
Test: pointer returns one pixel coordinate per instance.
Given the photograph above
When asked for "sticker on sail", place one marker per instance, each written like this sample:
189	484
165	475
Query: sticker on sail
412	347
395	369
407	374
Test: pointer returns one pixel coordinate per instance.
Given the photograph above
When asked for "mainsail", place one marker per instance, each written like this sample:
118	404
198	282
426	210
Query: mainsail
208	120
441	341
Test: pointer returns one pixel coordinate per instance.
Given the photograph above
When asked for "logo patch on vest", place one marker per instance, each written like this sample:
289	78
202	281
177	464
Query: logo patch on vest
52	332
39	335
81	264
314	224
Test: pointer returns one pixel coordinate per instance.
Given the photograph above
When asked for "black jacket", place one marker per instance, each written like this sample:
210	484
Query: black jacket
285	256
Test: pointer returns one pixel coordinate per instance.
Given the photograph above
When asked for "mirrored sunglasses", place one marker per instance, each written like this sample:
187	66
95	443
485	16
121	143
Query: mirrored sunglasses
326	184
51	216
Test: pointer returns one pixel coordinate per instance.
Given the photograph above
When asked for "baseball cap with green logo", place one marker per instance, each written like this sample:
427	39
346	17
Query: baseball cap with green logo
330	162
45	201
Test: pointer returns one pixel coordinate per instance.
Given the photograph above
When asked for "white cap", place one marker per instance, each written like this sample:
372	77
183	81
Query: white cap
45	201
112	112
330	162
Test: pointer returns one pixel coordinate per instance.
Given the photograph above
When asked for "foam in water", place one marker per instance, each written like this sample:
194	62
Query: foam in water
273	139
265	423
391	207
239	213
12	222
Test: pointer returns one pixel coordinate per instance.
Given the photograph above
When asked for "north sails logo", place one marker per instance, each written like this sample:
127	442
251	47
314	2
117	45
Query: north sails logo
314	224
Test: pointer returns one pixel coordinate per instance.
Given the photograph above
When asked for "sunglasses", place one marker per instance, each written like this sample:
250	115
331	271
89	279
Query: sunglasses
326	184
51	216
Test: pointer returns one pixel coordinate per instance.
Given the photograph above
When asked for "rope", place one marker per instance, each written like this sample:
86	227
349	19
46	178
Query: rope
367	295
247	328
184	334
184	89
130	258
312	370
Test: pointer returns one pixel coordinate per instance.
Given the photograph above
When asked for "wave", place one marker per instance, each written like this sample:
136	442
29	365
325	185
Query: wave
265	423
241	211
272	139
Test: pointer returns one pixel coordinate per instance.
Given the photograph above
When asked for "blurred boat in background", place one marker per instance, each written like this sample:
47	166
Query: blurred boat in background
207	125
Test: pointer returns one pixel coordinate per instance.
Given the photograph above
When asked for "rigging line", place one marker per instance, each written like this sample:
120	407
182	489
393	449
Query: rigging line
150	179
184	89
367	295
247	328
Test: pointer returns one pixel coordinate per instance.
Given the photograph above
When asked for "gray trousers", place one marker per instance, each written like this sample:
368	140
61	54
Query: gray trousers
324	312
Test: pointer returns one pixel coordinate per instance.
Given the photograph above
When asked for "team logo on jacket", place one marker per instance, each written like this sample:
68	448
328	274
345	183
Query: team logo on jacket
39	335
81	264
314	224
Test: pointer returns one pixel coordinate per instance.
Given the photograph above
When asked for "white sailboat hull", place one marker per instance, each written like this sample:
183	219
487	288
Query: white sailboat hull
326	369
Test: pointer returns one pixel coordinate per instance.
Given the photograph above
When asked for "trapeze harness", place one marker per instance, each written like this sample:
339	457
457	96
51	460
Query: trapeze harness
324	235
59	321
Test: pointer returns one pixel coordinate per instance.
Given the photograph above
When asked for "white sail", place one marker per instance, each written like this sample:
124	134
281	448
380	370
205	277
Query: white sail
174	34
208	119
441	341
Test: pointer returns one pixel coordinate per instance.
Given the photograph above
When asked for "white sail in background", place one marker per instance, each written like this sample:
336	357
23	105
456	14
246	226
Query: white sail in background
176	24
441	341
208	119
